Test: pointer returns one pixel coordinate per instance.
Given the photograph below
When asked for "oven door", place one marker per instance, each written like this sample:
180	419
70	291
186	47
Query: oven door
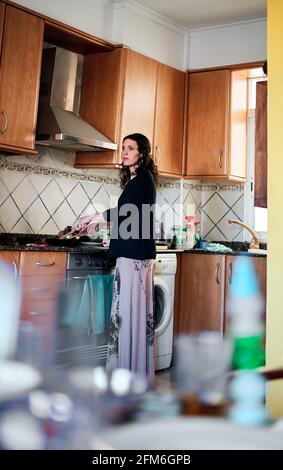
76	342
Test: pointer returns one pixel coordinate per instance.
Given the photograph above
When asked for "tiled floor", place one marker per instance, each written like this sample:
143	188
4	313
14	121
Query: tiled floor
165	380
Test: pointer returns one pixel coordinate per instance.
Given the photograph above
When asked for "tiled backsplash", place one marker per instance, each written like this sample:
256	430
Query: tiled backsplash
45	193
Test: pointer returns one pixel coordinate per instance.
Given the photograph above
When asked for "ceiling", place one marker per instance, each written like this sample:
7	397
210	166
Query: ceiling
201	13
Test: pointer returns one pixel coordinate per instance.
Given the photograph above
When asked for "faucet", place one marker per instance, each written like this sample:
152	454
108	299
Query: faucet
254	243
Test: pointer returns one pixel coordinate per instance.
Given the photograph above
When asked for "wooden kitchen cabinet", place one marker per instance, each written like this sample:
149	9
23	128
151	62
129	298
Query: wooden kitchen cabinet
42	275
204	283
201	293
125	92
19	79
169	120
259	264
118	98
2	16
216	125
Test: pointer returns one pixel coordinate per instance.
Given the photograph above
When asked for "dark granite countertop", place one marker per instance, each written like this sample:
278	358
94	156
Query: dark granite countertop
31	242
239	249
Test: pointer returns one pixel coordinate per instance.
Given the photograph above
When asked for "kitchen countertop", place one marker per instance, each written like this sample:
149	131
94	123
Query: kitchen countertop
31	242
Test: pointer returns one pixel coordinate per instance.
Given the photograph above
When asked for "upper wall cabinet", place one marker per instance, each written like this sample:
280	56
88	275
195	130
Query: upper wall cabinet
22	40
118	98
216	132
169	120
2	16
125	92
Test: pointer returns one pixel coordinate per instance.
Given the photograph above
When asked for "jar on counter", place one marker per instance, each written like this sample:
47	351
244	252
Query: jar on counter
181	237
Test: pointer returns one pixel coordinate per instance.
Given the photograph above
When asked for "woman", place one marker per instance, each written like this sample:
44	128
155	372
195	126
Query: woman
131	328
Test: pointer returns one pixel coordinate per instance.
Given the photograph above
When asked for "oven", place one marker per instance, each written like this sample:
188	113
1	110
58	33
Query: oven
77	343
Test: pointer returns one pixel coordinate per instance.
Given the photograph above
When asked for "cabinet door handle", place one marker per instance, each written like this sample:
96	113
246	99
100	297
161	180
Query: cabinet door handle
157	154
216	273
5	123
40	289
42	264
38	314
15	269
230	273
220	158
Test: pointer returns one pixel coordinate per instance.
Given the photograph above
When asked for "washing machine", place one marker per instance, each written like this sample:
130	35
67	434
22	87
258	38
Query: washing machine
164	283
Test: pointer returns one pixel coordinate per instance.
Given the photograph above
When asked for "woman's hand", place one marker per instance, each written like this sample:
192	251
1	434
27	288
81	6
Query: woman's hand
88	224
82	222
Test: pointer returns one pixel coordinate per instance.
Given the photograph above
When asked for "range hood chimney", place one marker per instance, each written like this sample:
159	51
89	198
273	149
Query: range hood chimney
58	123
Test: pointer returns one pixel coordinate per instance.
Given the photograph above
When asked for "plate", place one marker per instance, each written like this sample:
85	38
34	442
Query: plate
91	243
17	378
189	434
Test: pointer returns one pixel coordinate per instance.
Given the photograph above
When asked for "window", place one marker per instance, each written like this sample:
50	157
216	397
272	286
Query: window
255	216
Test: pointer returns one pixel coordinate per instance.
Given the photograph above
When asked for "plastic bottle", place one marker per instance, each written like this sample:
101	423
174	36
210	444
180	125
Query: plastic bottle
181	236
197	233
247	387
190	226
245	314
247	392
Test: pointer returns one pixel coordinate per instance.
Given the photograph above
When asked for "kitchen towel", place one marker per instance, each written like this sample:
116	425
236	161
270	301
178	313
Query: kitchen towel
215	247
89	308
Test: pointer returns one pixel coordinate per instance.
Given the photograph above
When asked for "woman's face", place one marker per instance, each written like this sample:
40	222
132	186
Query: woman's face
130	152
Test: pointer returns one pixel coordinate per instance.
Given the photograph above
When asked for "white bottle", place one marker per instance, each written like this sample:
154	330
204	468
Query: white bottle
190	225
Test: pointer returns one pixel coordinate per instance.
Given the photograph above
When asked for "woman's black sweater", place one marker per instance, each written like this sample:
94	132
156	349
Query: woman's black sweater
133	232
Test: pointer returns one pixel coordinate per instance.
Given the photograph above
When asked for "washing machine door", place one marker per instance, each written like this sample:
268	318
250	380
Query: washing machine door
162	311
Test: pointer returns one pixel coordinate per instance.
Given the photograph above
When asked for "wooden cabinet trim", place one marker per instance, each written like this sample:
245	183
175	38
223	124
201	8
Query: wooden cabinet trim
68	36
260	178
2	16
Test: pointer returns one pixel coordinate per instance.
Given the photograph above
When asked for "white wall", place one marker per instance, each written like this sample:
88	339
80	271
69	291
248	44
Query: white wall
150	34
223	45
138	27
92	16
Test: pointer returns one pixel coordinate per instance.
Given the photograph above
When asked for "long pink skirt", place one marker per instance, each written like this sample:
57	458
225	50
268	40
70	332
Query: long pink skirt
131	328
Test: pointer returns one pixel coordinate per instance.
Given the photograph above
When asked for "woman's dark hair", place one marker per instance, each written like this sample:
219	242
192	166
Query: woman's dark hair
144	162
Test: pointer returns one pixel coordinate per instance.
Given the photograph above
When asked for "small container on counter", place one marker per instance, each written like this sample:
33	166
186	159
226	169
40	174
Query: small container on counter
180	234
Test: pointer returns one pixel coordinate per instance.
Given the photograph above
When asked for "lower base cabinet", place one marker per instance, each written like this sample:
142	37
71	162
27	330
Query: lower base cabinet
203	291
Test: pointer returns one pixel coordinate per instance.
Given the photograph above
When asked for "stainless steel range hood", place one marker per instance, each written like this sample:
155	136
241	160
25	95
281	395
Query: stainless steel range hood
59	124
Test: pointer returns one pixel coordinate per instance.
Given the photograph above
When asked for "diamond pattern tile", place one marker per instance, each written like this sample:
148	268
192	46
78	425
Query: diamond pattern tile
22	227
9	214
39	182
101	200
24	194
52	197
238	208
206	226
215	235
216	207
78	199
36	197
63	216
11	179
4	193
36	215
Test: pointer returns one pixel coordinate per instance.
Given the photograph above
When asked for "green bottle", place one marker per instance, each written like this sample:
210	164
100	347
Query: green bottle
245	314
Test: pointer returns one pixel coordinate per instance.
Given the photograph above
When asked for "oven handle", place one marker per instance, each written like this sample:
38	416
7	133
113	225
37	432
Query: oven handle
79	277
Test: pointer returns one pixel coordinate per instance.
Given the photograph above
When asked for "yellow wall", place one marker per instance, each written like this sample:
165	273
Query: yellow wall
275	203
